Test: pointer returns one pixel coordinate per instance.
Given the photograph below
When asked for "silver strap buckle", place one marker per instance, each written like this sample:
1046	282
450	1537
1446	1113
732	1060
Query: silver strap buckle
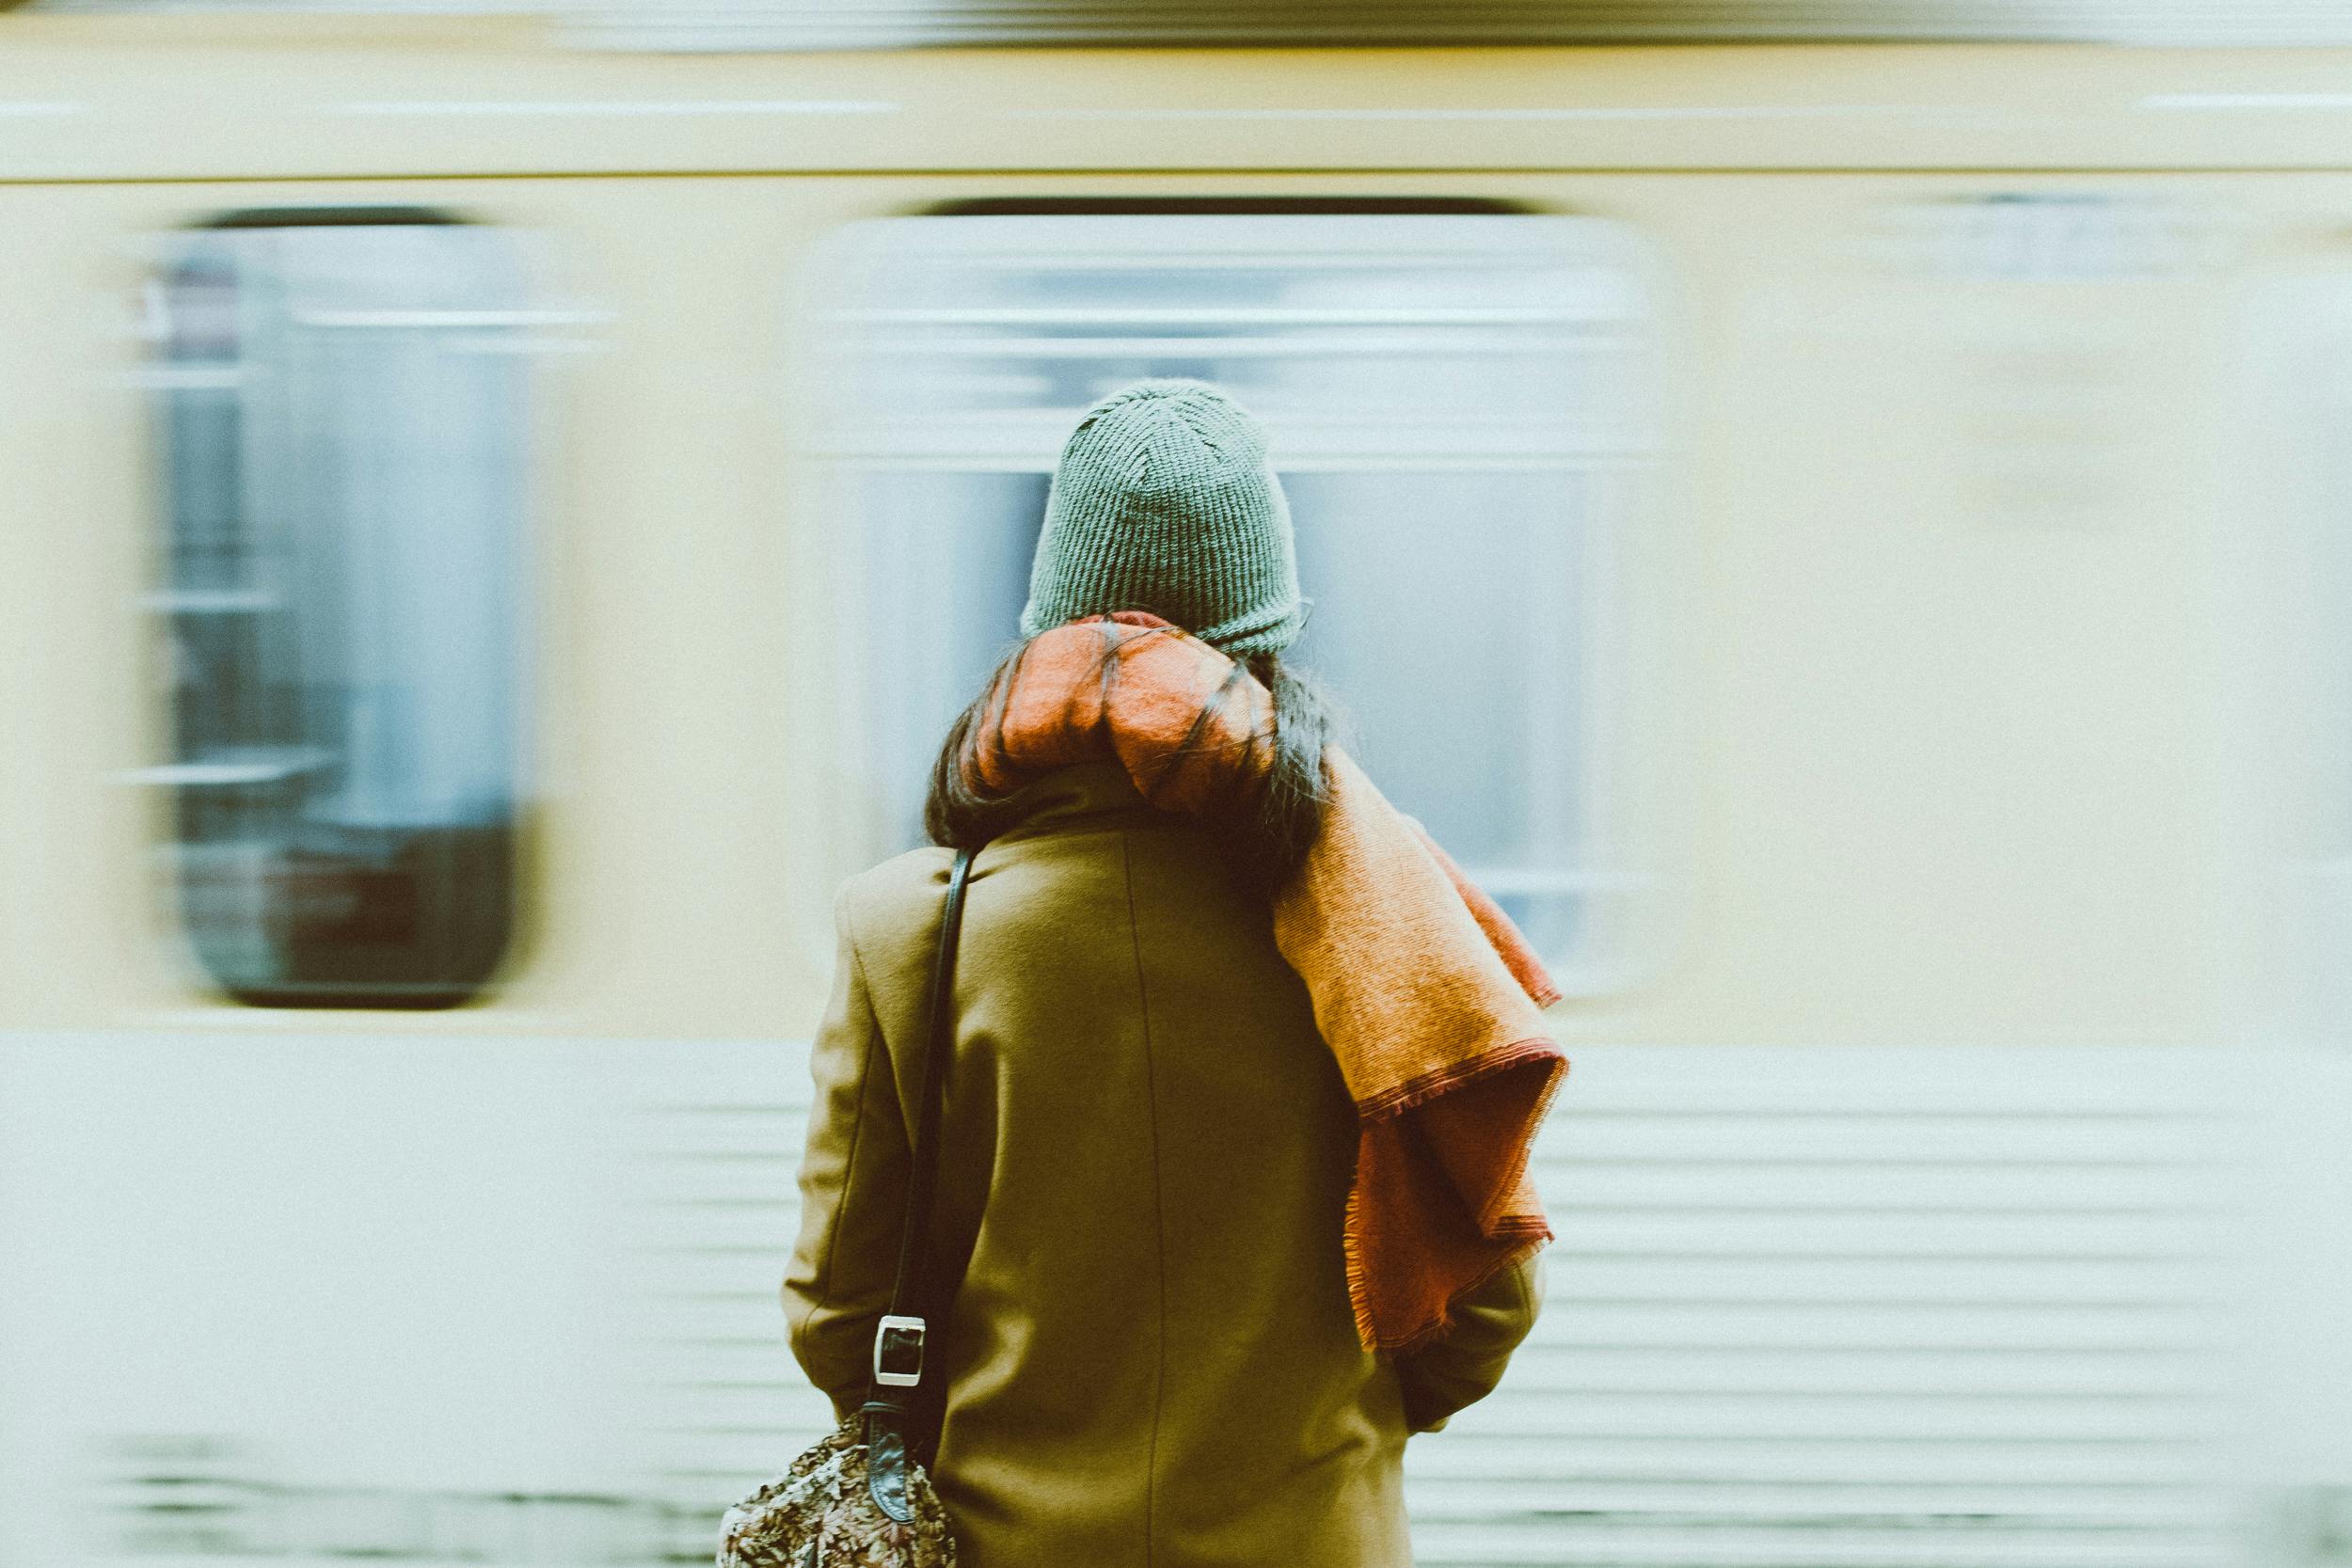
898	1352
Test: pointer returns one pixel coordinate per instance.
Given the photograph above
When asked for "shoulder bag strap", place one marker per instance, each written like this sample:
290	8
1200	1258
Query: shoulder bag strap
900	1339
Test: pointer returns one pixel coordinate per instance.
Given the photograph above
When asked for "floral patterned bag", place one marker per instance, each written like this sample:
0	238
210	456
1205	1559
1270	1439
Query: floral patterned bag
824	1512
858	1498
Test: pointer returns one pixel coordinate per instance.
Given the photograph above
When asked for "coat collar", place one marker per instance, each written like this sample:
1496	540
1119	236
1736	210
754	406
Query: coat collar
1085	790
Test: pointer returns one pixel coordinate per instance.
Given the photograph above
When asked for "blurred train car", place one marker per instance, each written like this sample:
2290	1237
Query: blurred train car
1850	542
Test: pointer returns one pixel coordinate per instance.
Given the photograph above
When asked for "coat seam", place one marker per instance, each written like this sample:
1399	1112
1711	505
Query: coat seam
857	1126
1159	1209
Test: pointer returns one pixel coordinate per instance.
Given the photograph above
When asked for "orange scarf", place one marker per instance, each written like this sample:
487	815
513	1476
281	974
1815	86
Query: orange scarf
1426	992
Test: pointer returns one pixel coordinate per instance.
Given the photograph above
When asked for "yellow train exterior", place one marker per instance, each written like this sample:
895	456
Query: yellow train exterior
1948	1176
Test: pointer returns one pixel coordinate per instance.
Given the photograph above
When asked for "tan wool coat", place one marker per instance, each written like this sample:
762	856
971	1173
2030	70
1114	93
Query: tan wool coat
1150	1359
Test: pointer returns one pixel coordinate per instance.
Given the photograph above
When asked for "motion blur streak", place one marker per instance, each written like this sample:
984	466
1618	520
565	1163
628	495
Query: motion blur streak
1849	544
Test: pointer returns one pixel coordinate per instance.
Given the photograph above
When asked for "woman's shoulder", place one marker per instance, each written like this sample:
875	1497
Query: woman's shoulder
888	916
1074	873
904	894
903	891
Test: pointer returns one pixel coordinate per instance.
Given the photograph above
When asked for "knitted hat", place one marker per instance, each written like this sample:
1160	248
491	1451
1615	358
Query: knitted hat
1163	501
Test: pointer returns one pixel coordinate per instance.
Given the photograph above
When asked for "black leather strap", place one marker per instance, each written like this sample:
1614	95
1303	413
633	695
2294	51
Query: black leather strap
889	1408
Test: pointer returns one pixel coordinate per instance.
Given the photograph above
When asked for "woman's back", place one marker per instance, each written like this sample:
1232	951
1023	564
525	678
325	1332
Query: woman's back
1151	1355
1189	1294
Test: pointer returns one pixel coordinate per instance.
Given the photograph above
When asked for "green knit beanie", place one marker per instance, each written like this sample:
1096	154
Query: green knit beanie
1163	502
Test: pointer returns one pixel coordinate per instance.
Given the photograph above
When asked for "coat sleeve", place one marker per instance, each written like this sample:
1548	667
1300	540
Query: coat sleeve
1463	1366
853	1182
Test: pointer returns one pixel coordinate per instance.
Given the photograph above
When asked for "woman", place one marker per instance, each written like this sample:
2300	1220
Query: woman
1231	1180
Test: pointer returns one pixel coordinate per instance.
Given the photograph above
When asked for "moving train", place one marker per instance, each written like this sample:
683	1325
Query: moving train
1848	542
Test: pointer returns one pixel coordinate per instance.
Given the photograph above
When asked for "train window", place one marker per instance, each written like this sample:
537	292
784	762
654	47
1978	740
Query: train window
1458	406
339	600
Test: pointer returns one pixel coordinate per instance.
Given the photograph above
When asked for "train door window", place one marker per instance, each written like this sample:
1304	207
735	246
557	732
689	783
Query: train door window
1459	407
339	600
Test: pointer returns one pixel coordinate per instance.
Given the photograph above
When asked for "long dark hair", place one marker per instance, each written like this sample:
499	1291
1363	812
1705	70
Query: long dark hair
1266	825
